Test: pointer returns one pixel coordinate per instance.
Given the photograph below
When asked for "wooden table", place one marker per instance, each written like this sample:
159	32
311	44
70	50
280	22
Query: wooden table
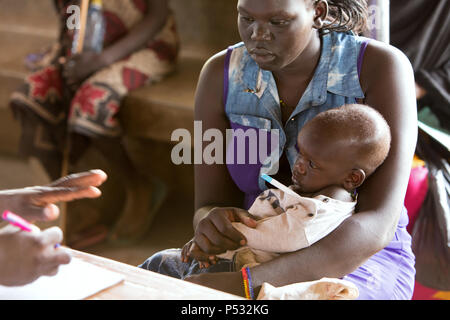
141	284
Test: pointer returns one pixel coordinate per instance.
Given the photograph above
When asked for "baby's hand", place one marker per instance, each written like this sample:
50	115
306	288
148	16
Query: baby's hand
192	250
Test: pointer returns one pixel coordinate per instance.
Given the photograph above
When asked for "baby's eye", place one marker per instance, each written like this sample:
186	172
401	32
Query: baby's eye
312	165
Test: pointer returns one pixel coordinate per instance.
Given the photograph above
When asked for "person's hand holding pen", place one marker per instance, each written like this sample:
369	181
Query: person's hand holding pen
25	255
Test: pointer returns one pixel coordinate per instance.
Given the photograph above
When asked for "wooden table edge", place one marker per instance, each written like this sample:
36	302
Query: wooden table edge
140	284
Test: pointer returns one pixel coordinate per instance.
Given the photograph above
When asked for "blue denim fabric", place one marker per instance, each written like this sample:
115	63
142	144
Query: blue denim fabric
168	262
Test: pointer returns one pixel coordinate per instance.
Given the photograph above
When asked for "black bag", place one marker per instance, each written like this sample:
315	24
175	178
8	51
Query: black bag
431	233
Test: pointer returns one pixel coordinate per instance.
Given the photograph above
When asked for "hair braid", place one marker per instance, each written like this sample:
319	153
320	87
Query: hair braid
347	15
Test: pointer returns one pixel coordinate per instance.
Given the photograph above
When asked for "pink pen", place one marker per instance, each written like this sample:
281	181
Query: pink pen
20	222
17	221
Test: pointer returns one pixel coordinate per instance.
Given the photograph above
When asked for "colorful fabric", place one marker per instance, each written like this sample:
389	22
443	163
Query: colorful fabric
92	109
416	193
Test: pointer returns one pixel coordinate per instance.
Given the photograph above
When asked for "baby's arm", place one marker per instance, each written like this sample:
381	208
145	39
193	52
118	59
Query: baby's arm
192	251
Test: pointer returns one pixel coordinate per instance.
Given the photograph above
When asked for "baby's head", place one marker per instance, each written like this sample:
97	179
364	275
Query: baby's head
341	147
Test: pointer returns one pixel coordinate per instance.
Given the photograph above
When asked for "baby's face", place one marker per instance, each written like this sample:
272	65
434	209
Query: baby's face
321	162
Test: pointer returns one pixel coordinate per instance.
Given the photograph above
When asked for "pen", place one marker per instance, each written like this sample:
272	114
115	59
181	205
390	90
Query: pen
20	222
279	185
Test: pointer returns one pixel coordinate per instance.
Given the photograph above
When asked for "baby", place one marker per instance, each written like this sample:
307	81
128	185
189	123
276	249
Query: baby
338	150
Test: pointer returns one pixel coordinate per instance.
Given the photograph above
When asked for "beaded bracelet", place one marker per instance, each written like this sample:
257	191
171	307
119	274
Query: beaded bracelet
247	283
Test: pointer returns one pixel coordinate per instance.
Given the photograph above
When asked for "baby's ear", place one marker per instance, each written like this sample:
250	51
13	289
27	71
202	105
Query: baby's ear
354	179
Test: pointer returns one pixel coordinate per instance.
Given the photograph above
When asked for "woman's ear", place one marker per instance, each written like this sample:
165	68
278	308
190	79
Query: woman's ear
354	179
321	13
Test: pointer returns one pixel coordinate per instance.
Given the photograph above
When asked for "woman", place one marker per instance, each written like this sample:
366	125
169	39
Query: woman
293	64
140	47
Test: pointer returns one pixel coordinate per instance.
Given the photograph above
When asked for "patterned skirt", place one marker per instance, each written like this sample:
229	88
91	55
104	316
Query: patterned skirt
47	111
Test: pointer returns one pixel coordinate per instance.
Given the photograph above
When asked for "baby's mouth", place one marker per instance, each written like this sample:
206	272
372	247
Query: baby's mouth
296	180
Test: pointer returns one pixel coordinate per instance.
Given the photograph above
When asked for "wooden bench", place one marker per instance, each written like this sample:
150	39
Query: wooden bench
156	110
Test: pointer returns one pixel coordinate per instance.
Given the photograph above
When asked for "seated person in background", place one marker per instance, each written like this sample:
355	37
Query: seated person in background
360	138
25	256
140	47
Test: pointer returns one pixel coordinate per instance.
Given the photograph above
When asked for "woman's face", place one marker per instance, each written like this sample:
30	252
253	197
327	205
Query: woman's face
275	32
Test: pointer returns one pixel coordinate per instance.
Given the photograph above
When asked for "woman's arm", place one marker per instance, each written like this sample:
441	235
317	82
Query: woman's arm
142	32
88	63
217	198
213	184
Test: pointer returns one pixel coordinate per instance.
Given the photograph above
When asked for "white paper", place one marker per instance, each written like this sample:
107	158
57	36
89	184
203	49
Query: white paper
75	281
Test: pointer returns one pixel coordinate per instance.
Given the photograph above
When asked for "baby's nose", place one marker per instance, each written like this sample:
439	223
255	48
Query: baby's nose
300	166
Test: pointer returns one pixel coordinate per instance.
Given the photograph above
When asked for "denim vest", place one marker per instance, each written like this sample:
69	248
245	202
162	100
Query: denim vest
252	104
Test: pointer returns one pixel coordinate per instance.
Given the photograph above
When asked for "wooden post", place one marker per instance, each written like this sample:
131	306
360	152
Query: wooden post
82	31
65	162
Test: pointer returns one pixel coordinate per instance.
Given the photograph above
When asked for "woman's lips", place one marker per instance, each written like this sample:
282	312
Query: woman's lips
261	55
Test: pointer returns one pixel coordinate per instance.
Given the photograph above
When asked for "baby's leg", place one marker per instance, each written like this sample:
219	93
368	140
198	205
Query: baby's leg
169	263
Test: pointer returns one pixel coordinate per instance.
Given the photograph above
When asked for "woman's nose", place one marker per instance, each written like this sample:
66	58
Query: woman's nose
260	33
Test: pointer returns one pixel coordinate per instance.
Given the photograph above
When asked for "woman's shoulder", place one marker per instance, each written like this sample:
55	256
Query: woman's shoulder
210	88
380	50
216	63
381	60
213	70
210	82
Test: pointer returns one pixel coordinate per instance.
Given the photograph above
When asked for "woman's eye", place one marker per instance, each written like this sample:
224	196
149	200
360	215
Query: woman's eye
247	19
279	22
312	165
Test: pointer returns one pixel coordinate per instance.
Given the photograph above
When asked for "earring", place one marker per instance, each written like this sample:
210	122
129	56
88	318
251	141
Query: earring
318	23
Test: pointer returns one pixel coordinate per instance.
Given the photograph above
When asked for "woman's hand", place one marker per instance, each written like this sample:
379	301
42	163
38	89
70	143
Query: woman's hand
26	256
80	66
37	203
215	234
